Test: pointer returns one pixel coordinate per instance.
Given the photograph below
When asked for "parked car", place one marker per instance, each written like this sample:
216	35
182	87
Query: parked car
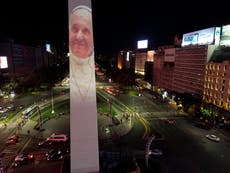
213	137
202	125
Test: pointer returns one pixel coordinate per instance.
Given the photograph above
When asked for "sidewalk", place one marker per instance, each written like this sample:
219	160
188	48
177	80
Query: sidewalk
28	128
107	129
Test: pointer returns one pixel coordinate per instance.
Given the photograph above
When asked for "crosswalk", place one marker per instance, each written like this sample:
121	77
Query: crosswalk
155	114
157	122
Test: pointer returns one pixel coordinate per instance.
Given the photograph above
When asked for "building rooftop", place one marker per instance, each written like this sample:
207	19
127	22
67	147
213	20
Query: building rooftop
220	54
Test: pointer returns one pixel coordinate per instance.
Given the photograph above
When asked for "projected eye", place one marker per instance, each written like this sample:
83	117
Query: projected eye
75	29
86	31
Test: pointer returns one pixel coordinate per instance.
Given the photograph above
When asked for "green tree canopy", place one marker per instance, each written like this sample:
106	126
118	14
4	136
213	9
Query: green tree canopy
205	113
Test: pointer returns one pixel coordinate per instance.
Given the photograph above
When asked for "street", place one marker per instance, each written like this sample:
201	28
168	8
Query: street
184	146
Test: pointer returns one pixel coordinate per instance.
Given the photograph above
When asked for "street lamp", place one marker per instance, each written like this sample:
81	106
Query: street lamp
110	106
52	101
40	118
148	144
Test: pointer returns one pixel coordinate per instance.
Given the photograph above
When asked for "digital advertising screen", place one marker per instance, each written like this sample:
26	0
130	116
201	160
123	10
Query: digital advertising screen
142	44
217	35
48	48
3	62
201	37
225	36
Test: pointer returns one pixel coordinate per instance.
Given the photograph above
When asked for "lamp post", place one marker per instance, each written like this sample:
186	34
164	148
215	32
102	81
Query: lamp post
109	106
52	101
148	144
40	118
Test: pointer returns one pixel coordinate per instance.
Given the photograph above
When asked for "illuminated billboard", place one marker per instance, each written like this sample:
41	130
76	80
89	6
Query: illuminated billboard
142	44
48	48
3	62
201	37
150	55
225	36
217	36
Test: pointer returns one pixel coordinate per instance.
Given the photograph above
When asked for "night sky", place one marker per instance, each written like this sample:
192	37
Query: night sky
118	24
35	21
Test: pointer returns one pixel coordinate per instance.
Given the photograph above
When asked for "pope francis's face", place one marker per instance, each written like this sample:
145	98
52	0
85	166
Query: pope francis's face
81	33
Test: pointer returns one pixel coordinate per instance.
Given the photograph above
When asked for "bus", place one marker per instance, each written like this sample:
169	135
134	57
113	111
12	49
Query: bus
29	111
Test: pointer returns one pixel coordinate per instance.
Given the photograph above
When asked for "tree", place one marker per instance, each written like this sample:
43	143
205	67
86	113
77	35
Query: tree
205	113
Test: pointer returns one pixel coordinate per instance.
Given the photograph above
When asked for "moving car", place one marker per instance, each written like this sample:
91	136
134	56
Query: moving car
156	152
12	140
14	137
22	159
54	154
171	121
45	143
213	137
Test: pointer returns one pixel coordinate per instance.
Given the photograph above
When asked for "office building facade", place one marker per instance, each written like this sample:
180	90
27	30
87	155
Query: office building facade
217	84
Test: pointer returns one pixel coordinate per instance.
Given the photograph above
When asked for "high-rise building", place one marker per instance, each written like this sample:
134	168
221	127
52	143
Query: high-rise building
217	84
22	60
188	73
181	69
126	60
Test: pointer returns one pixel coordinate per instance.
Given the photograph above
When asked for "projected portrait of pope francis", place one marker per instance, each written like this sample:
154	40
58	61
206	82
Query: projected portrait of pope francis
82	54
